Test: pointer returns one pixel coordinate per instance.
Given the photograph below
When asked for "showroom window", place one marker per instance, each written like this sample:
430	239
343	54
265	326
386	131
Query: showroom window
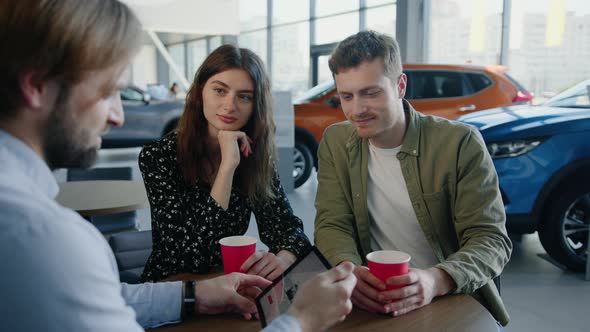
253	24
290	64
333	29
381	18
253	15
465	32
256	42
289	11
549	44
178	56
197	52
331	7
290	46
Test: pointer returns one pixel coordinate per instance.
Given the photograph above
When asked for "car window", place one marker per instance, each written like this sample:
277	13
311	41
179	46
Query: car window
436	84
409	86
131	94
479	81
316	92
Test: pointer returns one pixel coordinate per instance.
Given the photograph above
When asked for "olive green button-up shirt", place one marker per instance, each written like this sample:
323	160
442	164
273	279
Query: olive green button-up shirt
453	187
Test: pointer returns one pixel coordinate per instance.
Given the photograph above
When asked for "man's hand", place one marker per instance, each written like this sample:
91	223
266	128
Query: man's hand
267	265
325	299
419	288
229	293
365	295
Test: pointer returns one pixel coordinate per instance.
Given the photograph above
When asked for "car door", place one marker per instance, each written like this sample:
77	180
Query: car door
443	93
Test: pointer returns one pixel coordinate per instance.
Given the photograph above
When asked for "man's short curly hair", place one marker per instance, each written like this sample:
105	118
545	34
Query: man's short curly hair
367	46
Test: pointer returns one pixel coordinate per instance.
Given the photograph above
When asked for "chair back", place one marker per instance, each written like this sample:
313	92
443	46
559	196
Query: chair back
132	250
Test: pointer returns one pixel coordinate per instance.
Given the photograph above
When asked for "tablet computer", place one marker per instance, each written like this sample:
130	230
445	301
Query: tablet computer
277	298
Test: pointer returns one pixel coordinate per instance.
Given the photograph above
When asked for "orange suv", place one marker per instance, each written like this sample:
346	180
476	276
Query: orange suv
447	91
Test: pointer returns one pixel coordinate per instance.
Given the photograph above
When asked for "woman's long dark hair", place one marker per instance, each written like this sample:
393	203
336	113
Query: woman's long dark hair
254	174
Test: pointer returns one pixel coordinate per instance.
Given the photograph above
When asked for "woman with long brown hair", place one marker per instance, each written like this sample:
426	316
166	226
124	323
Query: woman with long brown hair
204	180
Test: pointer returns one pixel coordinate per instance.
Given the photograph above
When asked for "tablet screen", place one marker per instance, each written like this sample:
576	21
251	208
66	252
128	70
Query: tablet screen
276	298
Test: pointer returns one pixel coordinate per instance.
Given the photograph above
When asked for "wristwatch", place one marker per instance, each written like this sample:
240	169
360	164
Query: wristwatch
189	301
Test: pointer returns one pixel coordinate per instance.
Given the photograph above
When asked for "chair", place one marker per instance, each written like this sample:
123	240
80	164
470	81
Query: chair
113	222
132	250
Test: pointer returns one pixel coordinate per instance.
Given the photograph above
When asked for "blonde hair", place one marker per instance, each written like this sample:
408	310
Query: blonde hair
62	40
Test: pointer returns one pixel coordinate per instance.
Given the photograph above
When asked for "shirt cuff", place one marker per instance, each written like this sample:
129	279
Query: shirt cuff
155	304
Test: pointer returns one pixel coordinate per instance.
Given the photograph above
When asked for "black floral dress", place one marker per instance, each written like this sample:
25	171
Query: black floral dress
187	223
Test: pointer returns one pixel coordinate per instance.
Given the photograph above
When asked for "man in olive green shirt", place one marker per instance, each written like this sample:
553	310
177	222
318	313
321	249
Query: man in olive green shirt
392	178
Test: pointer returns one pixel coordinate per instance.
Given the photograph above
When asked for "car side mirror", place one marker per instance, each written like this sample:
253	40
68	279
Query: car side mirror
333	101
146	98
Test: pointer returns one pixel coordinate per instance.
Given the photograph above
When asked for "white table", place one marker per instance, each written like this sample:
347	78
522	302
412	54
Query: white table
93	198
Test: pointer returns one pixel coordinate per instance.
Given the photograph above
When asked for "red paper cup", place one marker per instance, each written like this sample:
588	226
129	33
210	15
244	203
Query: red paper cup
384	264
235	250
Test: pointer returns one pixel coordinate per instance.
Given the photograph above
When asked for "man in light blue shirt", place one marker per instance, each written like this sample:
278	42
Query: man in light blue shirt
63	63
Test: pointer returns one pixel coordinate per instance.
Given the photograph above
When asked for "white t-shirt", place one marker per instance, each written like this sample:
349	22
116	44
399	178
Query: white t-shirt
395	225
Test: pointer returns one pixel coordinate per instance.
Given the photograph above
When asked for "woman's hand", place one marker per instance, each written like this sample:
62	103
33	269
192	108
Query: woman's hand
268	265
231	144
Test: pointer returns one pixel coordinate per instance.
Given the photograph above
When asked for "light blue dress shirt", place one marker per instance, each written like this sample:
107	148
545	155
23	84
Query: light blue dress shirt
58	272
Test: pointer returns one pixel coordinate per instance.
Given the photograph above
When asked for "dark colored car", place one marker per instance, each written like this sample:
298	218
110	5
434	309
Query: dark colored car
542	156
448	91
146	119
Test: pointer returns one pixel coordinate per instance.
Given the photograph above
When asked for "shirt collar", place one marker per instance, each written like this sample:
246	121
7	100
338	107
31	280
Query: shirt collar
411	142
22	159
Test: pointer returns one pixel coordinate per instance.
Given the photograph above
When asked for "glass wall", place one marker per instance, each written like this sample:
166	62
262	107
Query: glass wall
465	31
255	41
253	14
332	29
290	58
381	18
289	11
177	54
549	44
290	29
290	46
197	52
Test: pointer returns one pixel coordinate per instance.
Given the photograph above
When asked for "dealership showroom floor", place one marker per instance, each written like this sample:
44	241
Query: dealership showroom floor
539	295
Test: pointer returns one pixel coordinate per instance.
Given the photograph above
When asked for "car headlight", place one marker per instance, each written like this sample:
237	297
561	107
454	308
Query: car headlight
512	148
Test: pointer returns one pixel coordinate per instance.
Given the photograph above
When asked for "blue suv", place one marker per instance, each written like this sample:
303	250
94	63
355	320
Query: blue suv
542	156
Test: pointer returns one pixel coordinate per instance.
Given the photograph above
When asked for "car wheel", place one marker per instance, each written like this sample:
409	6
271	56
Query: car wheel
302	164
564	233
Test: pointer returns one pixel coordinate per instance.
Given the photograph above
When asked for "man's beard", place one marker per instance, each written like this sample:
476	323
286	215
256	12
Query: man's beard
64	143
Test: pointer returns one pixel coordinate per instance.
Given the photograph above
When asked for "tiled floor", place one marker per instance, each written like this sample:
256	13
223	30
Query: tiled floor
539	295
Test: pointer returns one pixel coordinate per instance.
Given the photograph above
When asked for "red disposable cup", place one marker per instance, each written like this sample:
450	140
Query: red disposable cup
235	250
384	264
